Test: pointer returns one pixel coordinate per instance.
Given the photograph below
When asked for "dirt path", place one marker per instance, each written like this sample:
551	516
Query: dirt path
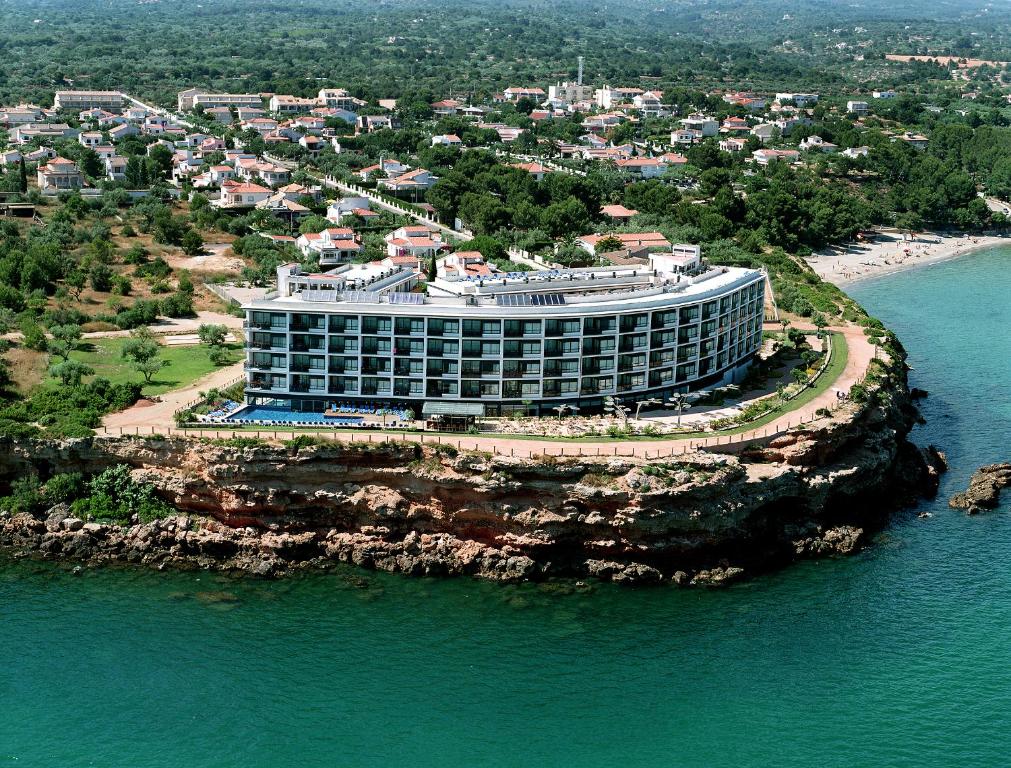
157	417
147	415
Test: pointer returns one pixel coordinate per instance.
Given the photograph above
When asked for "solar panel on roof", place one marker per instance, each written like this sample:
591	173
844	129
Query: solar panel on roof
547	299
361	297
319	295
406	298
513	300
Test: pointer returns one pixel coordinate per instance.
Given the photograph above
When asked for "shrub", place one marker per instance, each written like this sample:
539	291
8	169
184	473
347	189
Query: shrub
302	441
115	496
64	487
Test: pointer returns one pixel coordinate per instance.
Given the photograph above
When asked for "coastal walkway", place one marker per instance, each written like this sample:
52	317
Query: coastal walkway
148	417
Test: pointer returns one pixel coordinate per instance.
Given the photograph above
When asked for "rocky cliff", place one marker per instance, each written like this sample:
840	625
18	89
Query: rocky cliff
702	518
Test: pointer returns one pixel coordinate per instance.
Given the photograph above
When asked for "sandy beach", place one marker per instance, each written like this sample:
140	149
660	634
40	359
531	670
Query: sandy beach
890	252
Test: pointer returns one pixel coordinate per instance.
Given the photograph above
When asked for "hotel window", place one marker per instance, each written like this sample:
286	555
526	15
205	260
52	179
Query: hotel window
377	325
663	338
688	314
406	325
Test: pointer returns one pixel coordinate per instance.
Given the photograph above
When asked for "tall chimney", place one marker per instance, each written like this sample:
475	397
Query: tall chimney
579	75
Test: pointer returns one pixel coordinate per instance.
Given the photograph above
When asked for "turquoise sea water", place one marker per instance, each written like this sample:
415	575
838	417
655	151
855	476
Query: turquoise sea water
900	656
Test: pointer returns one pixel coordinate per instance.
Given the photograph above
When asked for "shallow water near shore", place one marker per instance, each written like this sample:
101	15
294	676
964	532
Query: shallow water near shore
898	656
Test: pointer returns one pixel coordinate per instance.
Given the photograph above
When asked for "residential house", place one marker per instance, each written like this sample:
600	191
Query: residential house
854	152
447	140
314	125
238	195
417	180
58	174
650	104
40	155
284	208
249	113
415	241
604	121
370	123
338	98
336	245
312	144
296	191
253	168
766	131
9	157
115	167
915	140
733	144
344	115
618	212
608	97
90	139
766	156
534	169
685	136
221	115
262	125
652	241
509	135
747	100
21	114
817	144
446	107
120	132
389	167
801	100
29	132
515	94
347	207
735	125
643	167
702	124
569	93
889	94
464	264
858	108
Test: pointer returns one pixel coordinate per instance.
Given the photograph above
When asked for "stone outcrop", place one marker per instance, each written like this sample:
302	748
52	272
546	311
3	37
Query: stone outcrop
984	489
700	518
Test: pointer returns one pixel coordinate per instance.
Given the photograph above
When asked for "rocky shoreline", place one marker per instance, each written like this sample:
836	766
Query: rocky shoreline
703	518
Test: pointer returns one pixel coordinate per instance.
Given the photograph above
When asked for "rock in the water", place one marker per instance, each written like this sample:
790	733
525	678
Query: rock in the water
984	489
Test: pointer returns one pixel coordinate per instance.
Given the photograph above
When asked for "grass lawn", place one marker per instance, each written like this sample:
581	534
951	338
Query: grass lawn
186	364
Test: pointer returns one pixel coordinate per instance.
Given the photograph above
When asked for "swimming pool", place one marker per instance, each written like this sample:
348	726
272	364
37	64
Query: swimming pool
267	414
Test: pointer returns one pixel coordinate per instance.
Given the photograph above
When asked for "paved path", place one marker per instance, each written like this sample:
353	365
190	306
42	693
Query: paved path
157	418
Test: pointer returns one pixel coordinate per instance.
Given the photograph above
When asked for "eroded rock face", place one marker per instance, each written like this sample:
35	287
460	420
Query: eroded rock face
701	518
984	489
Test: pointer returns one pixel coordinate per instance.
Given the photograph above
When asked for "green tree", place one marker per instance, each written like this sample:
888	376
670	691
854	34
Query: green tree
142	350
70	372
212	334
192	243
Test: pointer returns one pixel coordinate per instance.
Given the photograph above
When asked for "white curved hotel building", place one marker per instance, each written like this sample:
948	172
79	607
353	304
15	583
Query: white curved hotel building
528	340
